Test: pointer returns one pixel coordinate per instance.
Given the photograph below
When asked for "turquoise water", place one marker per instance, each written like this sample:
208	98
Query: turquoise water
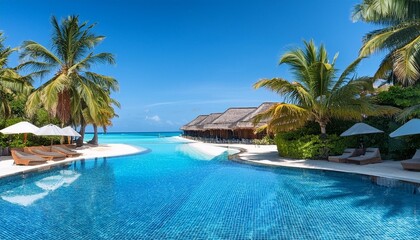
167	194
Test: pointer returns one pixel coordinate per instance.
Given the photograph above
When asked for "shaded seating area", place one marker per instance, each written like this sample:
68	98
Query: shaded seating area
348	152
22	158
413	163
372	155
55	156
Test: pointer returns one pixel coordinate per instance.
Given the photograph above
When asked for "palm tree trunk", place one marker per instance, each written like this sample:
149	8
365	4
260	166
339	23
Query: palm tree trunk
323	127
79	141
94	140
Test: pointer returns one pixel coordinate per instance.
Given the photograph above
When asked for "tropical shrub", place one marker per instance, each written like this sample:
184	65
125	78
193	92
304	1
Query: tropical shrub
311	146
267	140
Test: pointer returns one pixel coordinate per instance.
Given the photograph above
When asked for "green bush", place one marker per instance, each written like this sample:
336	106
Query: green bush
267	140
311	146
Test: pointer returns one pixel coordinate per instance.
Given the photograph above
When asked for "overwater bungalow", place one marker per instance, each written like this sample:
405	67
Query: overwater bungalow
245	128
222	127
190	128
234	123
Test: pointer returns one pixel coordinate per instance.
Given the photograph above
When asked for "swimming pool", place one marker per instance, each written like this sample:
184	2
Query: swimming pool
167	194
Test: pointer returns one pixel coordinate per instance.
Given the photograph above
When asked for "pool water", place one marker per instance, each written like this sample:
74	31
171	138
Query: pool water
167	194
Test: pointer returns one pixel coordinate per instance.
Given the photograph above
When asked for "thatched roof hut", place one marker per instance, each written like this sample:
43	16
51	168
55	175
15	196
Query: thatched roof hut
209	119
191	125
229	118
247	121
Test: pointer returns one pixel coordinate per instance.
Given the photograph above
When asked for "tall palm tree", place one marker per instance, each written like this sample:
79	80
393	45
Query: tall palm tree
317	94
400	35
11	82
73	87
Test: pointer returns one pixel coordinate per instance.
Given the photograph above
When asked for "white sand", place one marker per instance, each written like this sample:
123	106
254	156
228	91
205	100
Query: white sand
7	167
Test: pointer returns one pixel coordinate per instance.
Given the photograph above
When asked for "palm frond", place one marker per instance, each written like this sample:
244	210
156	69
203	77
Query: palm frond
34	50
285	117
293	92
408	113
345	75
405	64
386	12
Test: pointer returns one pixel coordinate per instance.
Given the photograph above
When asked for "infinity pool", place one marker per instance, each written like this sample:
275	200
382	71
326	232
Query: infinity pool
167	193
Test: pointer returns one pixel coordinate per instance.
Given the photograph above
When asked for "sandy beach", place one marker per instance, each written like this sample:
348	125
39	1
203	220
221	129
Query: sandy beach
8	168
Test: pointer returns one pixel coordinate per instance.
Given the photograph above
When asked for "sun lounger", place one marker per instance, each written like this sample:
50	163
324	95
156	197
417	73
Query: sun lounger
22	158
45	154
413	163
62	150
372	155
348	152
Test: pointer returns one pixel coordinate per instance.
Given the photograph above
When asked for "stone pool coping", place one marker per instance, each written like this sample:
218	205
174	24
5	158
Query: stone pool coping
8	168
267	155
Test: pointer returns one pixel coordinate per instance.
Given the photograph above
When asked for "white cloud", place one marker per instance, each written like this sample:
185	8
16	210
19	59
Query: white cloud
154	118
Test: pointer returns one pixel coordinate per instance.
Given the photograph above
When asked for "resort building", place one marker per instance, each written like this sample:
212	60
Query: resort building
234	123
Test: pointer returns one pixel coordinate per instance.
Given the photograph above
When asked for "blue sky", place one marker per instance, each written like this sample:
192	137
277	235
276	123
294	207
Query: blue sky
177	59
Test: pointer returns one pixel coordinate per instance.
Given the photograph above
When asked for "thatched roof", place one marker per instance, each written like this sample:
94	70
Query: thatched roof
200	125
246	122
229	118
194	122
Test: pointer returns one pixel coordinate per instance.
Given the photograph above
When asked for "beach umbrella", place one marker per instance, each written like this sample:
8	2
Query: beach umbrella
70	132
411	127
20	127
360	129
50	130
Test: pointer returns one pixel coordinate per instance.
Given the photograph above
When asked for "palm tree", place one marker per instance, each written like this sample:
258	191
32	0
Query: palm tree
317	94
103	117
11	83
400	36
73	87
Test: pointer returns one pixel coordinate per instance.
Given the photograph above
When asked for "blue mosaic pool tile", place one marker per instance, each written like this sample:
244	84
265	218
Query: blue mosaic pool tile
163	195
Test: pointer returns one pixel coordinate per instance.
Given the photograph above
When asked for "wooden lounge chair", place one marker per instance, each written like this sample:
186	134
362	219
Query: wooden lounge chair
45	154
372	155
348	152
413	163
22	158
62	150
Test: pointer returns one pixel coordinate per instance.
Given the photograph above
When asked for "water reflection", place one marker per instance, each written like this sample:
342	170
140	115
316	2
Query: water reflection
27	194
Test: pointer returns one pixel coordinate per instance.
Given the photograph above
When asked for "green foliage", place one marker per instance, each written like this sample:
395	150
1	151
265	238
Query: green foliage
400	97
391	148
267	140
305	143
311	146
16	140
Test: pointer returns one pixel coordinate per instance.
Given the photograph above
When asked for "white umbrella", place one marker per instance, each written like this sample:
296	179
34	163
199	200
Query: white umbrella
50	130
20	127
70	132
359	129
411	127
